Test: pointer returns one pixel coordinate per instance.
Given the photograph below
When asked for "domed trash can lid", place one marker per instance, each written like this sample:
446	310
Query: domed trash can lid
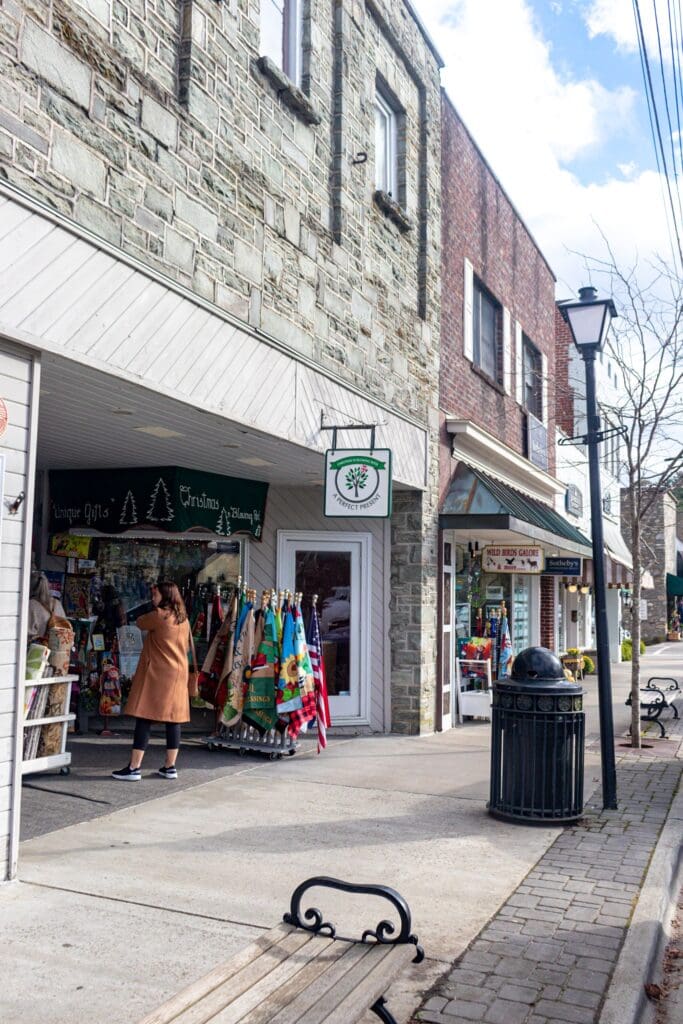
537	663
537	669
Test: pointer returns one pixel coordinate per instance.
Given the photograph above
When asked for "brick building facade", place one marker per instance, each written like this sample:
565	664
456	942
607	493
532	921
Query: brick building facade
497	399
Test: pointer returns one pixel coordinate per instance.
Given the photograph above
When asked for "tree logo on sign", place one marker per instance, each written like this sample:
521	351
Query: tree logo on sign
357	477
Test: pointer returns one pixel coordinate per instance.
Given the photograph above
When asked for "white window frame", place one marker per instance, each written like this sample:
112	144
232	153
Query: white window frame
292	40
389	143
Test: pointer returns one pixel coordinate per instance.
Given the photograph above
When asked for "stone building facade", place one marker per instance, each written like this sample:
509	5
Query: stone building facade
197	234
658	557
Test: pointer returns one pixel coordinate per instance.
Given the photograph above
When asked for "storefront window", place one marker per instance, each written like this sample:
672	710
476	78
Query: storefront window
484	600
131	565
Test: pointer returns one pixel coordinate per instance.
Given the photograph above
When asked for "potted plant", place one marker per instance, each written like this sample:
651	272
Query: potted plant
573	660
674	632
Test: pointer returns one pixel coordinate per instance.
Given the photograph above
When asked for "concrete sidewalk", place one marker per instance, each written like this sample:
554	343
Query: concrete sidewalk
114	913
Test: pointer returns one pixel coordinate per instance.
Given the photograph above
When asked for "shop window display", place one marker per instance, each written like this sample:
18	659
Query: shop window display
106	591
496	606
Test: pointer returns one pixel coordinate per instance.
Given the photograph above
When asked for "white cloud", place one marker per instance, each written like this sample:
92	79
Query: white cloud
614	18
628	170
530	120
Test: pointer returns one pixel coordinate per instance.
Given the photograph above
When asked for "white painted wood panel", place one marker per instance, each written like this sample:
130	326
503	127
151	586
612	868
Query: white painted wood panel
86	301
291	508
18	384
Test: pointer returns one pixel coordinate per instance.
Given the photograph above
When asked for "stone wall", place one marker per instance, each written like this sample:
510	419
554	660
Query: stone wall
658	552
157	125
152	123
414	573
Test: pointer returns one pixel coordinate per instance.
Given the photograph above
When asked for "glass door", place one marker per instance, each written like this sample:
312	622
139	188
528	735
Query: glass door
337	570
521	613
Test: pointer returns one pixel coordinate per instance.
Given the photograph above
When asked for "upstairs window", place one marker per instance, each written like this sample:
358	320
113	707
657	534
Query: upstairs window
281	35
386	146
487	317
532	378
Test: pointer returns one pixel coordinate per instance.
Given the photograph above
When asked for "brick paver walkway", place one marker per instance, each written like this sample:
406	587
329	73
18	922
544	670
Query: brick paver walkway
548	954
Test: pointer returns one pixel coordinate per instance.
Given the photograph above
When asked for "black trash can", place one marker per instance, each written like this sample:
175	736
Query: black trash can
537	742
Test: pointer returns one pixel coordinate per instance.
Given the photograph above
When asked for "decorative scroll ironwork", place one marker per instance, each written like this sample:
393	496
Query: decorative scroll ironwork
384	932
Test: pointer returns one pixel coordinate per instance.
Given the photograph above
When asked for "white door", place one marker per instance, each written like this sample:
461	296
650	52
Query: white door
336	567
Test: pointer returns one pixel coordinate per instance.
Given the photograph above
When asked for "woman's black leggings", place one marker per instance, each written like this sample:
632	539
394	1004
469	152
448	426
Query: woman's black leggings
143	728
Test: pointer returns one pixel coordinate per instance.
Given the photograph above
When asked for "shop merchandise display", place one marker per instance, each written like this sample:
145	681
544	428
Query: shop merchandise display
263	672
47	697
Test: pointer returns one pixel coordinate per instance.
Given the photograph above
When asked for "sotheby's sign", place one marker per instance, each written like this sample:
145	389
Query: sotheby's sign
358	482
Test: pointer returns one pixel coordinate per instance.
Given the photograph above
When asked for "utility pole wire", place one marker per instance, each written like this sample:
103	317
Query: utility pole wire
656	133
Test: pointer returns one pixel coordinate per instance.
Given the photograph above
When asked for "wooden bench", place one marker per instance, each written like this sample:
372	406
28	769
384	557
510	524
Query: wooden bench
656	699
302	972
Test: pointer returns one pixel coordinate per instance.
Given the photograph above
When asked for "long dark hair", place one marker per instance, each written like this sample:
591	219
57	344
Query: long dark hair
171	600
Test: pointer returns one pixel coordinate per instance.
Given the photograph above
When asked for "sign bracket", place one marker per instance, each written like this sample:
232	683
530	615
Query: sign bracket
336	427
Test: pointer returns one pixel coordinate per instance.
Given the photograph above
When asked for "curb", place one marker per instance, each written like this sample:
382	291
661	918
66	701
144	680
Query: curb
626	1002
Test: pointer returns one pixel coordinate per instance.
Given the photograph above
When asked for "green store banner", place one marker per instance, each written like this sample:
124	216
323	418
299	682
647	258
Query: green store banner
169	498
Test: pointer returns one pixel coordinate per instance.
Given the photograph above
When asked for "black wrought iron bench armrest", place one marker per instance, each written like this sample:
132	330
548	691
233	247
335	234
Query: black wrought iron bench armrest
304	968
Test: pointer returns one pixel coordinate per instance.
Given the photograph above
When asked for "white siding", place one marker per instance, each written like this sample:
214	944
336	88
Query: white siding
17	378
298	508
69	297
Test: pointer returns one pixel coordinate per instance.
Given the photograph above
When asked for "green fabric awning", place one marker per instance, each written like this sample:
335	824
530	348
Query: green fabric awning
476	500
674	585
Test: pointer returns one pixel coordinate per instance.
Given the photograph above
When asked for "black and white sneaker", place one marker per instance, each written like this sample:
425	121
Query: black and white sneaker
168	773
127	774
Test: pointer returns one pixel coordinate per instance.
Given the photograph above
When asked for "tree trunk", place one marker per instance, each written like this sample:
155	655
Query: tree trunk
635	630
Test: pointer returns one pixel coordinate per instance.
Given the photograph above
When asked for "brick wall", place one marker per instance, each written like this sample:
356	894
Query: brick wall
162	134
564	395
479	223
547	631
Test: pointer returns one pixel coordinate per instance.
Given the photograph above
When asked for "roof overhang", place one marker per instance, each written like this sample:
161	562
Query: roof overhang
474	445
615	545
507	529
480	503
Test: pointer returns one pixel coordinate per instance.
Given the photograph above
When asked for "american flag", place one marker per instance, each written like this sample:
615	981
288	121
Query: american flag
322	707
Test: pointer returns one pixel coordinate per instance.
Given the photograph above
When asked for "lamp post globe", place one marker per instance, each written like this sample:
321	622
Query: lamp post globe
589	320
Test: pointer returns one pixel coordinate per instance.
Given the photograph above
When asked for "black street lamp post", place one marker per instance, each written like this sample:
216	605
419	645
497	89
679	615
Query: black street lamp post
589	321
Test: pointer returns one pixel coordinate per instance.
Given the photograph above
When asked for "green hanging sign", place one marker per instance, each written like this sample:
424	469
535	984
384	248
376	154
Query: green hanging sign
167	498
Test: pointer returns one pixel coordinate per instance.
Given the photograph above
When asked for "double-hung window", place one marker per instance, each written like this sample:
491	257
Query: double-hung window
487	315
281	35
532	379
386	146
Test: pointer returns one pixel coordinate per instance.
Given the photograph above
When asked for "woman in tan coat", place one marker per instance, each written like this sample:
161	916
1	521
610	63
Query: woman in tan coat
160	688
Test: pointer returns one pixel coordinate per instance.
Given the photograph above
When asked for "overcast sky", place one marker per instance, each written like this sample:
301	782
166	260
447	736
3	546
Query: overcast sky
552	92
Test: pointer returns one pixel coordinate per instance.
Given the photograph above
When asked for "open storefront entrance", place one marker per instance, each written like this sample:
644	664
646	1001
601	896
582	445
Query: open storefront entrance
117	507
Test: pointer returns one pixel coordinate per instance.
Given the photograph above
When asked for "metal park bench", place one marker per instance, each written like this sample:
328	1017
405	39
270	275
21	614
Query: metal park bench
656	699
302	970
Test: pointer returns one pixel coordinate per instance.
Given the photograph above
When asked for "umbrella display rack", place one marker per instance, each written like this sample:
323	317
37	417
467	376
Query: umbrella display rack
245	739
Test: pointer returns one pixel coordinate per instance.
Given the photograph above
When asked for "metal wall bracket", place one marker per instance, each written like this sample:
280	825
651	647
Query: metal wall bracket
335	427
601	435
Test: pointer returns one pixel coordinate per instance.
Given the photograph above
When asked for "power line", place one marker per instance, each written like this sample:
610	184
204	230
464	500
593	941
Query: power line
656	134
665	92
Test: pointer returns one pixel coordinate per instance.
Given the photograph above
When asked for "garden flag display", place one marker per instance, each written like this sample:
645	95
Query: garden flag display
505	656
322	705
264	667
259	691
290	683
